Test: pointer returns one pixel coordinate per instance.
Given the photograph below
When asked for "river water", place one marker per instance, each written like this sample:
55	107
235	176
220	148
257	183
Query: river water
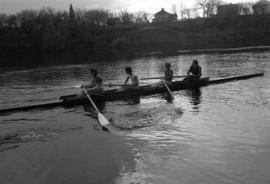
215	134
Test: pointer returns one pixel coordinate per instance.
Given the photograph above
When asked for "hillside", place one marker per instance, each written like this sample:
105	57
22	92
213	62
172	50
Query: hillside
200	33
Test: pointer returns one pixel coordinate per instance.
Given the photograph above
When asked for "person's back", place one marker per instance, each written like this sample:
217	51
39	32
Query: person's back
168	73
134	80
130	76
99	83
96	85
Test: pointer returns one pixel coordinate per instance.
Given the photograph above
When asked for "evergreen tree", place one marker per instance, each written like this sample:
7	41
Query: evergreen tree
71	13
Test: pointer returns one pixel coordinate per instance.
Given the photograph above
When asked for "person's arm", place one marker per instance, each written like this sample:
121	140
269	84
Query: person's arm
189	70
136	83
200	72
93	83
171	75
126	79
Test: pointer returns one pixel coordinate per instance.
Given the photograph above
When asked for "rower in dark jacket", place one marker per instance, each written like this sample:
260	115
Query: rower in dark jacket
195	71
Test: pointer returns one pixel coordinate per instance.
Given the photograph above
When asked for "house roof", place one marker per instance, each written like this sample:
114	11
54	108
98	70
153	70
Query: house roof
262	3
162	11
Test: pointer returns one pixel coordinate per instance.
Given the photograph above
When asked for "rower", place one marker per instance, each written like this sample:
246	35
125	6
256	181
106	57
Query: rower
96	85
133	78
195	71
168	73
168	76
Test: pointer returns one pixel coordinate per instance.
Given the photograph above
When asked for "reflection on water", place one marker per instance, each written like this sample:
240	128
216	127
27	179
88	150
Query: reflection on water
225	141
167	96
100	105
133	100
194	97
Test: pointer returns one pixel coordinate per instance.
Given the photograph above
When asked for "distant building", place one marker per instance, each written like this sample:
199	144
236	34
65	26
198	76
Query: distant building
228	10
163	16
262	7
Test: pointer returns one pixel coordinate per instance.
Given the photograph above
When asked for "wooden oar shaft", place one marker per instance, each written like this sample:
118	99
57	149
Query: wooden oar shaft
111	85
180	76
90	99
101	119
169	90
149	78
118	85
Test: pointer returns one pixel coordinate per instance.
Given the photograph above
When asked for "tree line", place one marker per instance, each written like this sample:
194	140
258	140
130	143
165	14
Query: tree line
48	29
208	8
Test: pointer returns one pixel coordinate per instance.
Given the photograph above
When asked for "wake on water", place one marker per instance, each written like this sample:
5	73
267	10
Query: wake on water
130	118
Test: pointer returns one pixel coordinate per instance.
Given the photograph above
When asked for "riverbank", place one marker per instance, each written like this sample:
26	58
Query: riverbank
192	34
82	57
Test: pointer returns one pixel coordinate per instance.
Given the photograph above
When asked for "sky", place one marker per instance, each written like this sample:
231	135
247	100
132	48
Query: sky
150	6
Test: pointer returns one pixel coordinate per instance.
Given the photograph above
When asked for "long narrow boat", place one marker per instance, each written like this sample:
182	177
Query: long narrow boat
115	94
118	94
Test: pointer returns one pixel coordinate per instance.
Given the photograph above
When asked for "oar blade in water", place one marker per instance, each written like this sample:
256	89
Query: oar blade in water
102	120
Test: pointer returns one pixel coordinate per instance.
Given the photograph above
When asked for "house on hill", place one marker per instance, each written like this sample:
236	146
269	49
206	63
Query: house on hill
228	10
163	16
262	7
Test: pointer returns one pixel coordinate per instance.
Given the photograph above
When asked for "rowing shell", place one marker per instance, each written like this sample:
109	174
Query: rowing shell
115	94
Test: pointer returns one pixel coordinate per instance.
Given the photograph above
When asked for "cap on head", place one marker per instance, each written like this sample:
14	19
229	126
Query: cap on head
128	70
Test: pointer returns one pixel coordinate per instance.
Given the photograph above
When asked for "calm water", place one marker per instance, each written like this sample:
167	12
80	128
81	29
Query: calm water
216	134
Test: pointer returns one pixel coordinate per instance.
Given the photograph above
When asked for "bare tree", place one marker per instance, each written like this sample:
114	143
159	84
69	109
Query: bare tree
187	13
209	7
126	17
46	16
3	19
141	17
174	9
195	12
12	21
246	8
96	16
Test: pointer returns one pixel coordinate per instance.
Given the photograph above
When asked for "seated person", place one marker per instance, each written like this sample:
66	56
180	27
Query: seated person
133	78
195	71
168	73
96	85
168	76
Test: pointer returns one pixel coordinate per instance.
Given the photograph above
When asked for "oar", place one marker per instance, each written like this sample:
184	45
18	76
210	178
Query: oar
149	78
167	87
109	85
101	118
112	85
120	85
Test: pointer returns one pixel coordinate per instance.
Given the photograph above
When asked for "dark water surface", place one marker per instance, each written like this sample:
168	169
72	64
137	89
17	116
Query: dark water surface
216	134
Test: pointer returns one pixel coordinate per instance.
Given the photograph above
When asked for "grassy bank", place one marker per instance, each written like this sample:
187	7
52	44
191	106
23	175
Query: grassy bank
62	35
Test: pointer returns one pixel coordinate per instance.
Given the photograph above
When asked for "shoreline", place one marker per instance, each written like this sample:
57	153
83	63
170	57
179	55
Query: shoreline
101	55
